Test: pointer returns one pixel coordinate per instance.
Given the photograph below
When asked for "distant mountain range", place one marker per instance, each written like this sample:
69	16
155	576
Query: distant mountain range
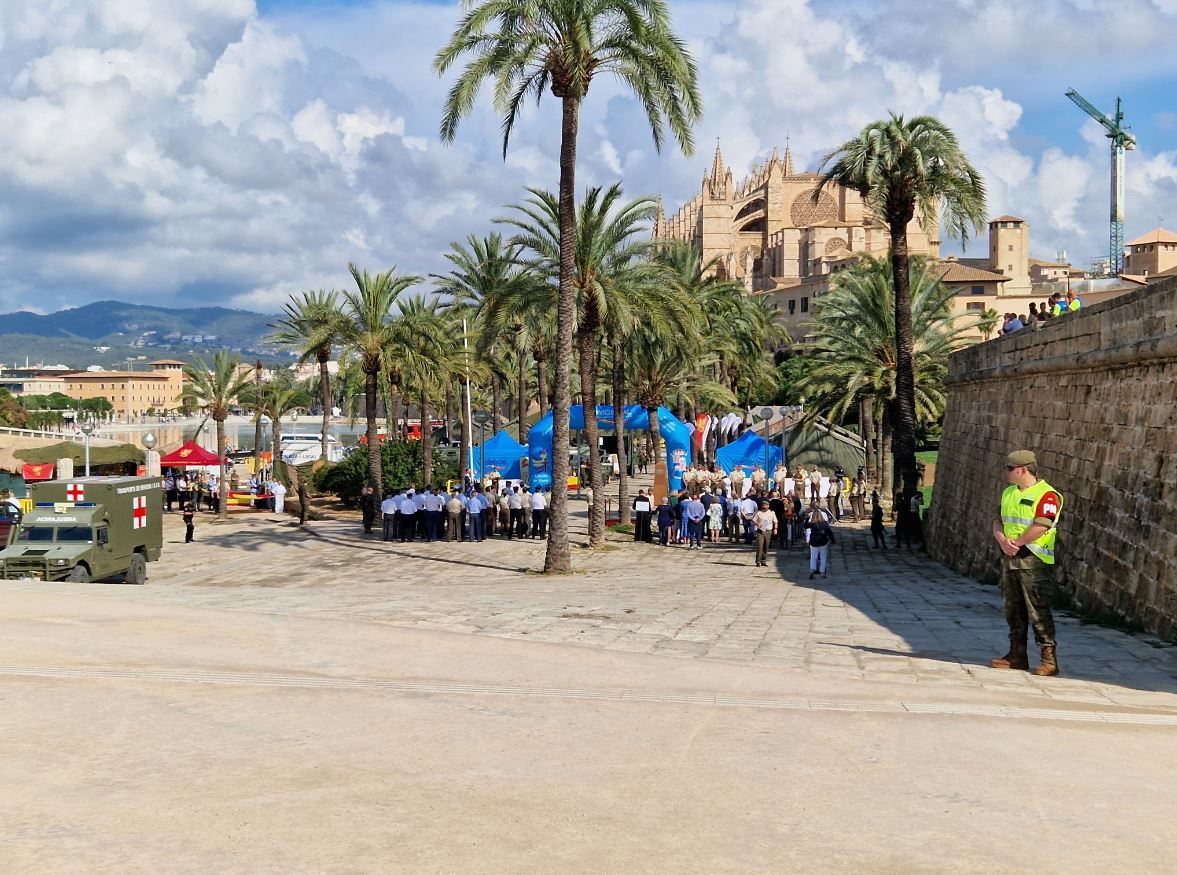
107	333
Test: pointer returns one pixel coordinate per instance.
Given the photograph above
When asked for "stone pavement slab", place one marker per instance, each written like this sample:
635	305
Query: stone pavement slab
279	700
880	615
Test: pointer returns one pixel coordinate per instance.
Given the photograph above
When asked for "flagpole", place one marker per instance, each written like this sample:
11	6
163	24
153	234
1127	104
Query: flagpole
469	416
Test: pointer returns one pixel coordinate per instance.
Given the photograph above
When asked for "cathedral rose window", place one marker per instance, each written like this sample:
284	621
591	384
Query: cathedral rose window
805	212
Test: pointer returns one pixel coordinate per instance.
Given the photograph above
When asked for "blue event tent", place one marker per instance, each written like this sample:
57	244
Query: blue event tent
747	450
501	451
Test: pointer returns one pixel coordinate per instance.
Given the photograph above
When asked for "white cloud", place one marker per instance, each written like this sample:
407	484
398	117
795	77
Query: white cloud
152	148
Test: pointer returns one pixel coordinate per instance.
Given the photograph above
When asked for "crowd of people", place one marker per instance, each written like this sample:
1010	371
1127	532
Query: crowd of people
202	490
784	509
472	512
760	511
1057	305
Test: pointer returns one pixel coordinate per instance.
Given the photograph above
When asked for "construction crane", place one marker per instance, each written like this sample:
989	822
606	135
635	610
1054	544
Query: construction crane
1122	139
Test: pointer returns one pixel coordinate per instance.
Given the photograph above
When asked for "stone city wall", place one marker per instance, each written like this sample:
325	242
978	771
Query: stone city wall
1093	396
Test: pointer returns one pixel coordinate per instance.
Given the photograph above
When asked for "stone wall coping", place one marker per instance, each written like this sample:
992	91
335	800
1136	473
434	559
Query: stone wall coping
1031	351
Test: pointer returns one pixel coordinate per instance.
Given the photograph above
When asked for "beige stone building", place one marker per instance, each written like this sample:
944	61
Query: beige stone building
33	385
1151	254
131	393
768	231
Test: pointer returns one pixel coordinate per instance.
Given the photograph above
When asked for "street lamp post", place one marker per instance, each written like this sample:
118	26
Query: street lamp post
87	430
765	416
151	458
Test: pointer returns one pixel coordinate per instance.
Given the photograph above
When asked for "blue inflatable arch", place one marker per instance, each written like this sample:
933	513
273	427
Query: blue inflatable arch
673	432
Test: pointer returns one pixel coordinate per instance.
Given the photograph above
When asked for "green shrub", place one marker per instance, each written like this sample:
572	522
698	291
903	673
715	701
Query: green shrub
400	462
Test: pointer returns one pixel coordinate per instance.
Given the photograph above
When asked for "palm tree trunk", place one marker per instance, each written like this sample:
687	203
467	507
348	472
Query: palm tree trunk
373	438
521	398
887	469
652	413
904	404
257	417
426	443
878	455
449	412
559	558
222	483
541	384
325	389
866	429
276	437
392	413
588	391
623	507
496	402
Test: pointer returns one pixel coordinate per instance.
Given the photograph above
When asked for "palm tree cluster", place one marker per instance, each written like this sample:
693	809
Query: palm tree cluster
652	326
908	169
851	355
565	289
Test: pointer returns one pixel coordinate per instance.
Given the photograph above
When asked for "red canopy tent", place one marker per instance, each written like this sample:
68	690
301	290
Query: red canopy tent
190	455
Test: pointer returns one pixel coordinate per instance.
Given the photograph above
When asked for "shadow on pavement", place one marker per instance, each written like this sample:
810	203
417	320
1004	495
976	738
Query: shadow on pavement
942	615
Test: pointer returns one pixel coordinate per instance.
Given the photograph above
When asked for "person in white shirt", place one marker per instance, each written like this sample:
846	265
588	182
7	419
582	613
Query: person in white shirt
539	514
408	521
388	511
748	508
279	497
518	522
433	514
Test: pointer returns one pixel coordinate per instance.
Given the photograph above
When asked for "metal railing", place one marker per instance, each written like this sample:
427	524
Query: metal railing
41	433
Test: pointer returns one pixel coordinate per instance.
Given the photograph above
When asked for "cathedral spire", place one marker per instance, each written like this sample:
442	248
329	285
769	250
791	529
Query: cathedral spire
788	158
717	166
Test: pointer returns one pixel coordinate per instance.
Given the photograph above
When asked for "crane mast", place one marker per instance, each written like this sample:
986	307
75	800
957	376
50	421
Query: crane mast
1122	139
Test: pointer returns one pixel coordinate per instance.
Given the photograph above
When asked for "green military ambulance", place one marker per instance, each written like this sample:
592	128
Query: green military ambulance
88	528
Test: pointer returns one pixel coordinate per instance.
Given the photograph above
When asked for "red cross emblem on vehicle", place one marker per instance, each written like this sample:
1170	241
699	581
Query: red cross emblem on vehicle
139	512
75	491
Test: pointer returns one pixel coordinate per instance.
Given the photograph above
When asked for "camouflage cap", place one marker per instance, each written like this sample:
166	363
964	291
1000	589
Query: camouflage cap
1019	458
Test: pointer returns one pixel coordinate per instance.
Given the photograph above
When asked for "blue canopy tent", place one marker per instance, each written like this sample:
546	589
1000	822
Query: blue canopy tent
503	452
673	432
748	450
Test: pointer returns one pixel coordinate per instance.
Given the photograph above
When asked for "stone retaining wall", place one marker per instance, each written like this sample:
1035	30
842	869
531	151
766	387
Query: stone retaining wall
1093	395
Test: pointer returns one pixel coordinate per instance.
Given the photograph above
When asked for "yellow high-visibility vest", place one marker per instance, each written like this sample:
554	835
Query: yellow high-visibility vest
1017	515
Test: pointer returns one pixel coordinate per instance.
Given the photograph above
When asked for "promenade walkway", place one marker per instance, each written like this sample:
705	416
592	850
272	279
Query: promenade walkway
286	700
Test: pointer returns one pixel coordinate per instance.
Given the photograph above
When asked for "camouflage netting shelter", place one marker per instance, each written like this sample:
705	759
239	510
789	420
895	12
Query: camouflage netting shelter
120	459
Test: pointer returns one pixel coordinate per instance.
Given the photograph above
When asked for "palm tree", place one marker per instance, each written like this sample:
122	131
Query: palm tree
484	270
900	166
528	46
280	397
312	324
987	321
365	330
736	330
430	357
611	242
853	351
215	391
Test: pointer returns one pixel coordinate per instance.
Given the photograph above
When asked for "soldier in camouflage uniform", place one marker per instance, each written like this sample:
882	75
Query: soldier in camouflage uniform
1030	509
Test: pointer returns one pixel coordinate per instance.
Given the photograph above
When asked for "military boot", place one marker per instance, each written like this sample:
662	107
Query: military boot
1049	666
1017	658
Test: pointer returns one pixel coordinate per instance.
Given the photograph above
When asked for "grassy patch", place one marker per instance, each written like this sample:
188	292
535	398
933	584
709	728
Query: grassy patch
622	528
927	456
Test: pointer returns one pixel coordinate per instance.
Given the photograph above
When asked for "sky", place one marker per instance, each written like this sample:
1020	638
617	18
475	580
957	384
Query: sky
233	152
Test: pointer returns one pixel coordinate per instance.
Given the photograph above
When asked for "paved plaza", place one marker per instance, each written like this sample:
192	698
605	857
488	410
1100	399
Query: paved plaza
279	699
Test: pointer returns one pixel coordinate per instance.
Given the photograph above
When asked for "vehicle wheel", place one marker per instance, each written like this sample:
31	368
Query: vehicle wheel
79	574
137	573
